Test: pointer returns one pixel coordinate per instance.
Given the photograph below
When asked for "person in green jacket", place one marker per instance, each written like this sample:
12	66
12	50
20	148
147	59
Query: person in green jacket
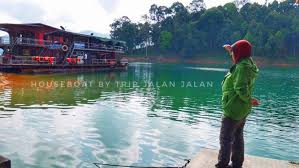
237	102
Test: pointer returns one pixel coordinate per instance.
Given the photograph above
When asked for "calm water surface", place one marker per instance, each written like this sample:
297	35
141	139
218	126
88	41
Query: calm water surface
76	119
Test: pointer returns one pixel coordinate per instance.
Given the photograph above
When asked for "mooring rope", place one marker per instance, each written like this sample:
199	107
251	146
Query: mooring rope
116	165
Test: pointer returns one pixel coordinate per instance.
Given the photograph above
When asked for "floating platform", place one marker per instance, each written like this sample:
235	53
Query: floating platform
207	158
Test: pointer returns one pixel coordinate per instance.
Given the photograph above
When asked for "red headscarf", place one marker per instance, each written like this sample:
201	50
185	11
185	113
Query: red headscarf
241	49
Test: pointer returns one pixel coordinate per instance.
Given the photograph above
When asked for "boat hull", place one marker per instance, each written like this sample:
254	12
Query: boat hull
31	68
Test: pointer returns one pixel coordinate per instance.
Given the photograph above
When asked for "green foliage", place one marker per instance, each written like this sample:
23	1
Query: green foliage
165	40
272	28
249	36
123	28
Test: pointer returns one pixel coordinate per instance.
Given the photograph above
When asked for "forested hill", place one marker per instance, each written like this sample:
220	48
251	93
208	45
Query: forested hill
186	31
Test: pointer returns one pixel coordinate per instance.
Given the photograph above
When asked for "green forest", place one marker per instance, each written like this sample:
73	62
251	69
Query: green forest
194	30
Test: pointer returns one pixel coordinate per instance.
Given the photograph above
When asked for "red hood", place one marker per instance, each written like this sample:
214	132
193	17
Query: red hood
241	49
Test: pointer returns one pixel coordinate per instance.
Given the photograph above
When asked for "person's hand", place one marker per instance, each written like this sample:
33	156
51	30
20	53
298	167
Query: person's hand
255	102
227	47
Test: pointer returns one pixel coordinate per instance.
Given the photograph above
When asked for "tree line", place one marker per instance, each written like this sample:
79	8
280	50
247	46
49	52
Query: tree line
193	30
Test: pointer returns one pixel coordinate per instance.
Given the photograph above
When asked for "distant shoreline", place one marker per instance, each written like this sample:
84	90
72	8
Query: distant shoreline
261	61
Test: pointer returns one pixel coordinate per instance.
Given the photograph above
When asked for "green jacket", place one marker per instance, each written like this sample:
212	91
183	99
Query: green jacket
237	88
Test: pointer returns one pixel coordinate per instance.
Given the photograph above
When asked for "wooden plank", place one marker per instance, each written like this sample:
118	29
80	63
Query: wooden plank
207	158
4	162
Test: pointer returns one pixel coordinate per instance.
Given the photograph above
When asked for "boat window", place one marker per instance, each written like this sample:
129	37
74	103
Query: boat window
1	51
4	37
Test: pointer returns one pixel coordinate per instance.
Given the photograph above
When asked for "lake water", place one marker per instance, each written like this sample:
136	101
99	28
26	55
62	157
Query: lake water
149	115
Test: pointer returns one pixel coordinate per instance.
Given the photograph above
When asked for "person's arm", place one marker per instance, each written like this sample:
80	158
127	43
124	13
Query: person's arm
228	48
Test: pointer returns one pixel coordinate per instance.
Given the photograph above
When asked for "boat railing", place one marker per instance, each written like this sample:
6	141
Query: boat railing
98	46
32	42
29	60
58	45
26	60
104	61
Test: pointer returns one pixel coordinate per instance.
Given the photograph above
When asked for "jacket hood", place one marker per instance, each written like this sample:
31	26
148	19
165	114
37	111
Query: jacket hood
248	62
241	49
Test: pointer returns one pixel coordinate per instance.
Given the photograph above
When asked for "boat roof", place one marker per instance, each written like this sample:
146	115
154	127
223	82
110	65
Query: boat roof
49	30
8	27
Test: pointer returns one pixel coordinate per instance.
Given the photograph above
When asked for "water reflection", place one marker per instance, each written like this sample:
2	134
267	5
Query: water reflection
85	119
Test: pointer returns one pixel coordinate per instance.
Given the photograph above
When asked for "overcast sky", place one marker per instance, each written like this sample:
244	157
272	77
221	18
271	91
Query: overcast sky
82	15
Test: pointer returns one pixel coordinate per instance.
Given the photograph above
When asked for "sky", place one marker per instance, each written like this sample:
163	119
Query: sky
82	15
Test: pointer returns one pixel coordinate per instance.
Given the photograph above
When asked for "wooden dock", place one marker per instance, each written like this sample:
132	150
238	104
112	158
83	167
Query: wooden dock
207	158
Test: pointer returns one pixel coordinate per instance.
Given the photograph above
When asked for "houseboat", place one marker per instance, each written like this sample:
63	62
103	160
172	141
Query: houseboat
39	48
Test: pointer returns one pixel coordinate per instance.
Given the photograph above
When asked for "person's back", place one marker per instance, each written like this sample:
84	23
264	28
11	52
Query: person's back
237	89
